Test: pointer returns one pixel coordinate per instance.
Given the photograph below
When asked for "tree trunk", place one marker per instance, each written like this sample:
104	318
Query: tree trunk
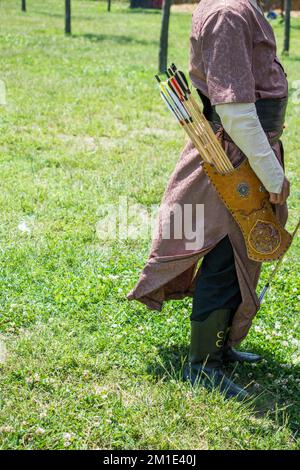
287	26
23	5
164	34
108	5
68	17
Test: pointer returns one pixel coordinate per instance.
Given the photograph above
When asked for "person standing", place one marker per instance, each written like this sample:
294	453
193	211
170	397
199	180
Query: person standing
243	88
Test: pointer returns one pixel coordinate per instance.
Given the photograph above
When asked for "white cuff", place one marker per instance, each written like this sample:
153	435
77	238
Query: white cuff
241	122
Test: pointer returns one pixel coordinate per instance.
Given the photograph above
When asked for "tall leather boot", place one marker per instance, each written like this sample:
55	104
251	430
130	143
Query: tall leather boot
206	355
231	355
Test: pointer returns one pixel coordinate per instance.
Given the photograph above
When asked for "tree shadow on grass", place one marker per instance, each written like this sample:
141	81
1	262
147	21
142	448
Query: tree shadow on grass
277	386
147	11
78	16
115	38
58	15
293	58
61	15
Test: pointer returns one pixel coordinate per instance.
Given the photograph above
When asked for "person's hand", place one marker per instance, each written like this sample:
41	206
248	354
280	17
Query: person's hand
282	197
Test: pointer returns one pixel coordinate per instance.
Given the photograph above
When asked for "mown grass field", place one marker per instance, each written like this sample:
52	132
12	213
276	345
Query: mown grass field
81	368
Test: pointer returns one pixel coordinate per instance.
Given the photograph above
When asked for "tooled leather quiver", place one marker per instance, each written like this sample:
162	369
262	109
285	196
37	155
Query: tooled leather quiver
244	195
238	186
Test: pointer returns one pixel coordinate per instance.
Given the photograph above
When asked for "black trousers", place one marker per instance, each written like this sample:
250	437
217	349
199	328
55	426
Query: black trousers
217	285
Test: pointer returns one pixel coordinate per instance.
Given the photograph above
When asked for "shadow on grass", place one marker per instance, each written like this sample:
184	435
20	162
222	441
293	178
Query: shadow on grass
276	391
278	388
170	362
101	13
115	38
56	15
292	58
147	11
61	15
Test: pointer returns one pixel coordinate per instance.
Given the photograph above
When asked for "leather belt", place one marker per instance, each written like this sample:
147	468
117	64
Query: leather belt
271	113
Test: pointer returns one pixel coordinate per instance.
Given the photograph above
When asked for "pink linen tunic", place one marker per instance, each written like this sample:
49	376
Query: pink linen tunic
232	59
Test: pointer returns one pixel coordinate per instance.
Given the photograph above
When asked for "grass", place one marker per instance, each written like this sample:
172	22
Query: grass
81	367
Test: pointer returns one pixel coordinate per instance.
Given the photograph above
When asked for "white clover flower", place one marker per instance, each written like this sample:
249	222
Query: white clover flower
23	227
6	429
3	352
40	431
295	358
286	366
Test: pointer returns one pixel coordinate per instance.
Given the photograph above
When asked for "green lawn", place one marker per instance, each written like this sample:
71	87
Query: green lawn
84	368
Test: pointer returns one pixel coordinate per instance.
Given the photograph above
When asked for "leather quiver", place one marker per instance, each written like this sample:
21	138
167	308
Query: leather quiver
248	201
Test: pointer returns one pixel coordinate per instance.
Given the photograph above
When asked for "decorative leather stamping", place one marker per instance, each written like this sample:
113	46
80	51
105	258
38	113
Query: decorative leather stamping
264	237
243	189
